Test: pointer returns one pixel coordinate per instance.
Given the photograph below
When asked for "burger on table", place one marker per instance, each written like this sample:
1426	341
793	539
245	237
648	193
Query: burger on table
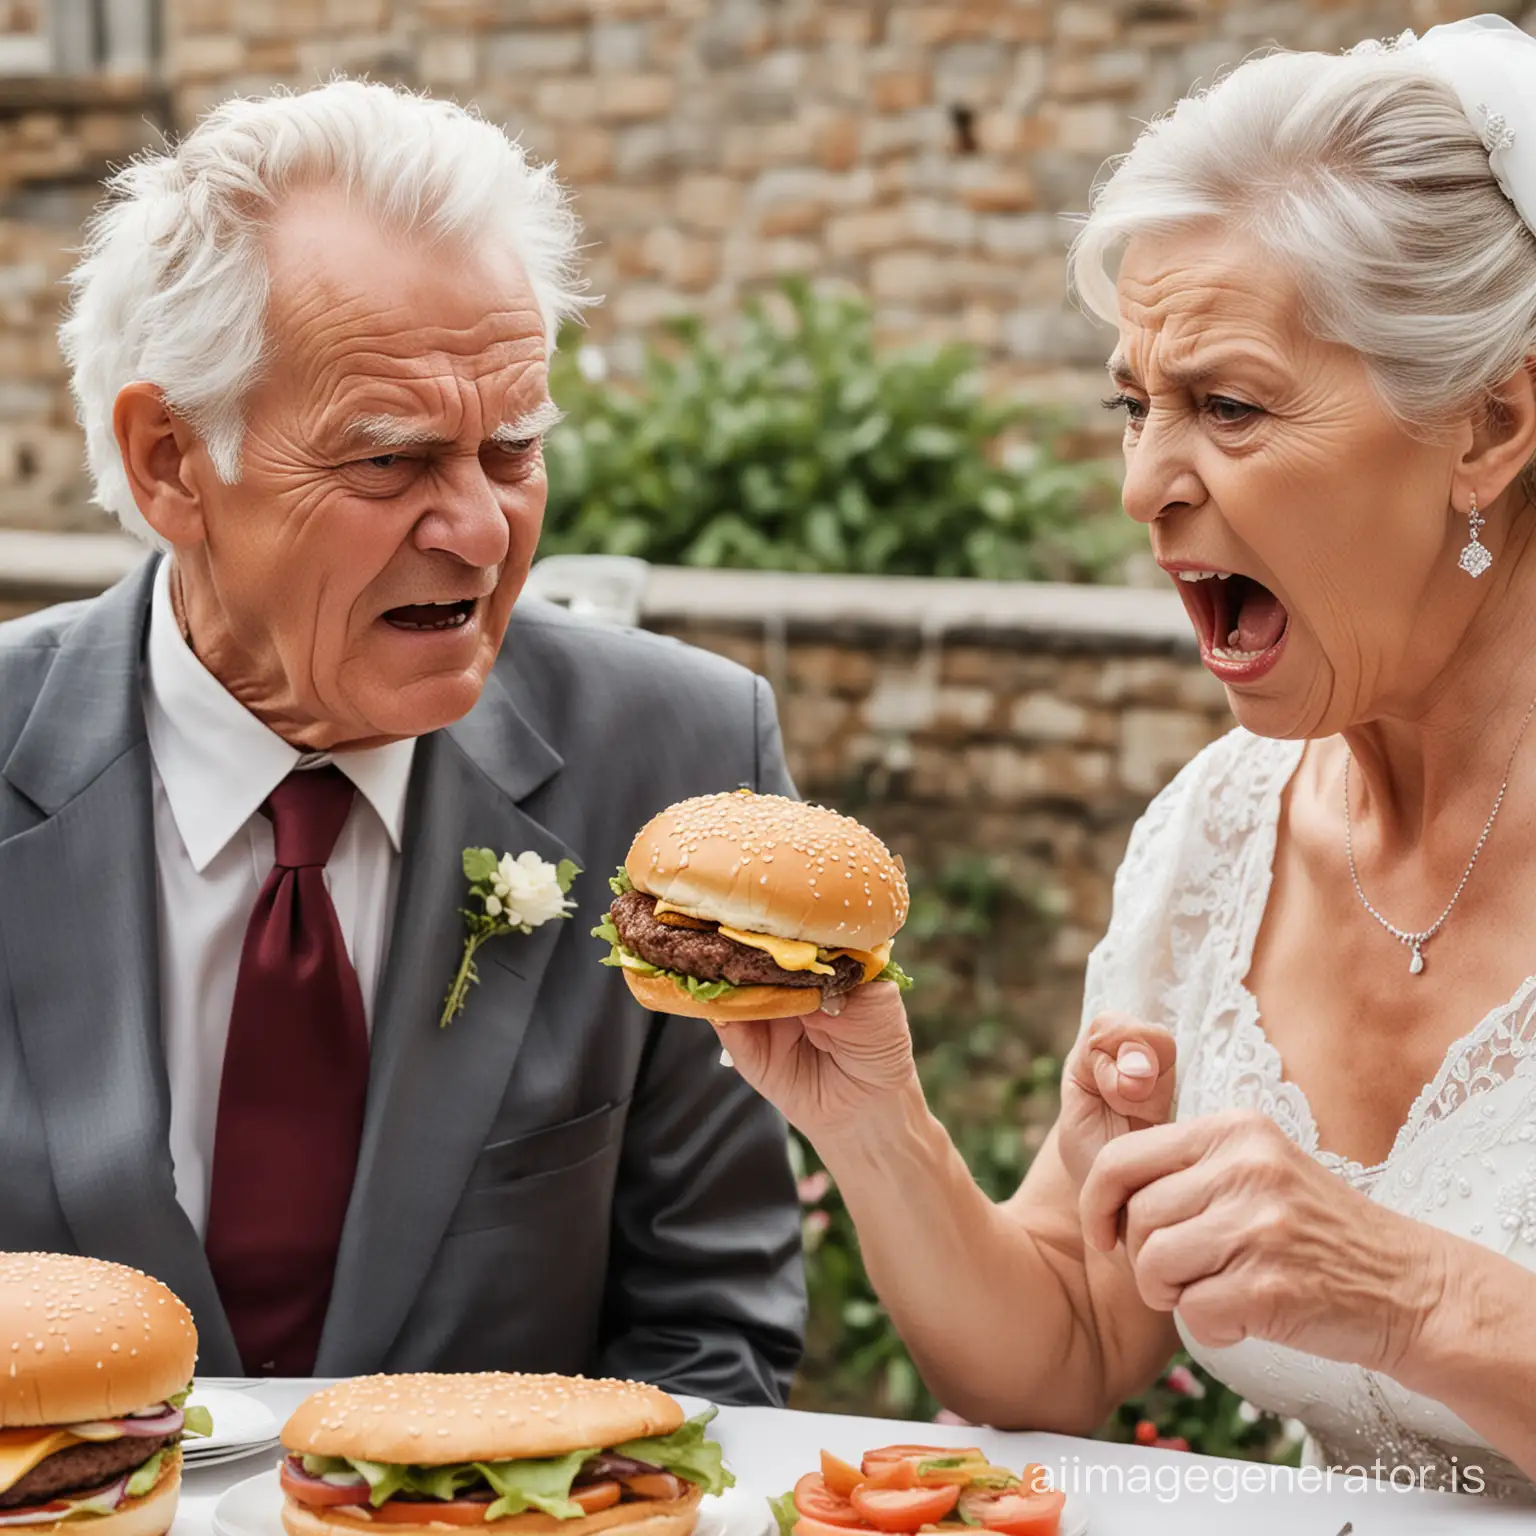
506	1452
95	1366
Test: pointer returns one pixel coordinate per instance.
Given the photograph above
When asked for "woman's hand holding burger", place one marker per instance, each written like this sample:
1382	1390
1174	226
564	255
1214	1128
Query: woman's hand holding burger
827	1074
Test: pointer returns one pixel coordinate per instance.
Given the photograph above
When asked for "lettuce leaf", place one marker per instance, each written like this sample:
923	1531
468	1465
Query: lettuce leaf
621	884
685	1453
145	1477
705	991
894	972
785	1513
543	1484
198	1421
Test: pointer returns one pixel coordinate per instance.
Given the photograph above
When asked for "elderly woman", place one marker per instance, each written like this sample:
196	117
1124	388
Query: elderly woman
1314	1012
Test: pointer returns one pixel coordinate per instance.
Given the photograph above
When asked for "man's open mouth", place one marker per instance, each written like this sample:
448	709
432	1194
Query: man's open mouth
1239	620
453	615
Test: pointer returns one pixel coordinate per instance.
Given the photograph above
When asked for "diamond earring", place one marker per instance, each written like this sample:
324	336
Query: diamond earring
1475	558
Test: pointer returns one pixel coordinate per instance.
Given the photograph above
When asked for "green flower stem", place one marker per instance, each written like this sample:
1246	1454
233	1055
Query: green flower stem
453	1004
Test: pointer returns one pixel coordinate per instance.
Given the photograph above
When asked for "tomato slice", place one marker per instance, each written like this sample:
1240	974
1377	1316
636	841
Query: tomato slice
909	1466
650	1485
890	1474
431	1511
595	1496
805	1526
903	1509
815	1501
839	1476
1015	1512
317	1493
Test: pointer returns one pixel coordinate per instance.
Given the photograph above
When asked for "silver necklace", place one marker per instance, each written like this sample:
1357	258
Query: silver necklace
1417	941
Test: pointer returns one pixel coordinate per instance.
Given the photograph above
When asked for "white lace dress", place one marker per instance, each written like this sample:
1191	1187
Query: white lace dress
1189	900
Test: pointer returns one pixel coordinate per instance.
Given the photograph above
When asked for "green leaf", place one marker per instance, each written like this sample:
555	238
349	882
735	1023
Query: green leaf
544	1485
566	872
479	864
785	1513
685	1453
146	1476
894	972
620	884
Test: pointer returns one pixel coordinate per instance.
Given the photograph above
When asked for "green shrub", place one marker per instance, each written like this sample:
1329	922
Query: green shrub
795	445
997	1099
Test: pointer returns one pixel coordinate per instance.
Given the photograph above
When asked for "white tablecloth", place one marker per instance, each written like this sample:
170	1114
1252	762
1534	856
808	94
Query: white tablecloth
1127	1490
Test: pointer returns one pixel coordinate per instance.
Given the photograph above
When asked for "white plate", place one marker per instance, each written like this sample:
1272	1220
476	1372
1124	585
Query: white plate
252	1508
242	1425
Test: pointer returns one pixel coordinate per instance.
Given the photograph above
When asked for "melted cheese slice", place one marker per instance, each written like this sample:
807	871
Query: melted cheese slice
22	1449
873	960
787	954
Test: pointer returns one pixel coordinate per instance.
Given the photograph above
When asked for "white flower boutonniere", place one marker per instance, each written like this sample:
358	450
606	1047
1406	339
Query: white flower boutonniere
515	896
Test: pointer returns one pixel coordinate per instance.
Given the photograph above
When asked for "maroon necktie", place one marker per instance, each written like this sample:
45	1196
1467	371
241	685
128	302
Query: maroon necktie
292	1094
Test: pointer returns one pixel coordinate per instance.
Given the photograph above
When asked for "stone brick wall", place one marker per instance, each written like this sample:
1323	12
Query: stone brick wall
921	151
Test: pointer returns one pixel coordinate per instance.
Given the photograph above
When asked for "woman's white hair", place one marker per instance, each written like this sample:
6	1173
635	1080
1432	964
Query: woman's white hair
172	284
1362	175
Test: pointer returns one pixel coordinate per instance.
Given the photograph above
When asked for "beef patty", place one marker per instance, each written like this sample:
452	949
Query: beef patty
711	957
82	1467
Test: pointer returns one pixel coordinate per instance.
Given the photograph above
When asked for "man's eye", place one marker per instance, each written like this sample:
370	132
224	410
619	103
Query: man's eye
383	461
518	446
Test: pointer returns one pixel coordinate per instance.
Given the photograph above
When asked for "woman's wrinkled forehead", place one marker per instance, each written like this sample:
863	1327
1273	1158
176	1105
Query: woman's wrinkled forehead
1188	301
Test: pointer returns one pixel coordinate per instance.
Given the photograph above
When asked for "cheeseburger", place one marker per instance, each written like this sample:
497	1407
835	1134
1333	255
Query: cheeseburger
744	906
509	1453
91	1404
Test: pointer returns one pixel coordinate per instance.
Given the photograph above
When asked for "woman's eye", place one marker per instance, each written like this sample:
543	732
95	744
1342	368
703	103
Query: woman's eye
1134	409
1230	412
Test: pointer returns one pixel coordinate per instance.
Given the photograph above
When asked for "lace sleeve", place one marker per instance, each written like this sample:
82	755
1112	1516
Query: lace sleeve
1135	967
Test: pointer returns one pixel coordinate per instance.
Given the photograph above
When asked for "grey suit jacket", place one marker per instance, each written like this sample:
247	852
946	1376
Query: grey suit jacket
558	1181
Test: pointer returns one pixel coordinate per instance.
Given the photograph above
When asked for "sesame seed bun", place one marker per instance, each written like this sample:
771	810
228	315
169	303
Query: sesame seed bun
87	1340
434	1419
663	995
646	1517
767	864
150	1515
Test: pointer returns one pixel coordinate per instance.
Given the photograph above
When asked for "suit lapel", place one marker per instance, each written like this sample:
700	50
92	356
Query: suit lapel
433	1093
79	939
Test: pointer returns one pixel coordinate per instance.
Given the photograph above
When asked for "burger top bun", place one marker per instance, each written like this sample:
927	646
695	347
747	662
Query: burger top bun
661	995
771	865
432	1419
87	1340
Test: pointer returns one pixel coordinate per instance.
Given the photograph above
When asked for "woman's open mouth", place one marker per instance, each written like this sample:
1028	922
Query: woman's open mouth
427	616
1240	623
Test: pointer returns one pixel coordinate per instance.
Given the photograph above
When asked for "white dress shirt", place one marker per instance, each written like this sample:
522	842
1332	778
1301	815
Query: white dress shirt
214	763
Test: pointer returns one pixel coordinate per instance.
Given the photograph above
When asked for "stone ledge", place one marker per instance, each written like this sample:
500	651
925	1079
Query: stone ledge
1118	619
53	567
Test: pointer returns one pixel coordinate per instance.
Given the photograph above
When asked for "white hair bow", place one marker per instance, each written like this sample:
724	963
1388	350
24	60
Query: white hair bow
1491	64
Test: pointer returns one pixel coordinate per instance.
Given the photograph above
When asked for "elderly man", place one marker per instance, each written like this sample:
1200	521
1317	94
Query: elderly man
310	349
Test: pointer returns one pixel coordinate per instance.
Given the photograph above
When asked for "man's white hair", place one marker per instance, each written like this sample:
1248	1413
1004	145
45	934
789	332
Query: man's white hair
172	285
1362	175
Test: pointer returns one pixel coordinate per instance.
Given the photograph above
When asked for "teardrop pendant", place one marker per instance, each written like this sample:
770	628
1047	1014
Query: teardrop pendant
1416	964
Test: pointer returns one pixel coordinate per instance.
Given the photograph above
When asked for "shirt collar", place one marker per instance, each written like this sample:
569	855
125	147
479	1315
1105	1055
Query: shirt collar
219	763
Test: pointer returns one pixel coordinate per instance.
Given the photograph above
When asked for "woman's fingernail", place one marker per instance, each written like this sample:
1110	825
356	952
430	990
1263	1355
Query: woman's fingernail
1134	1062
